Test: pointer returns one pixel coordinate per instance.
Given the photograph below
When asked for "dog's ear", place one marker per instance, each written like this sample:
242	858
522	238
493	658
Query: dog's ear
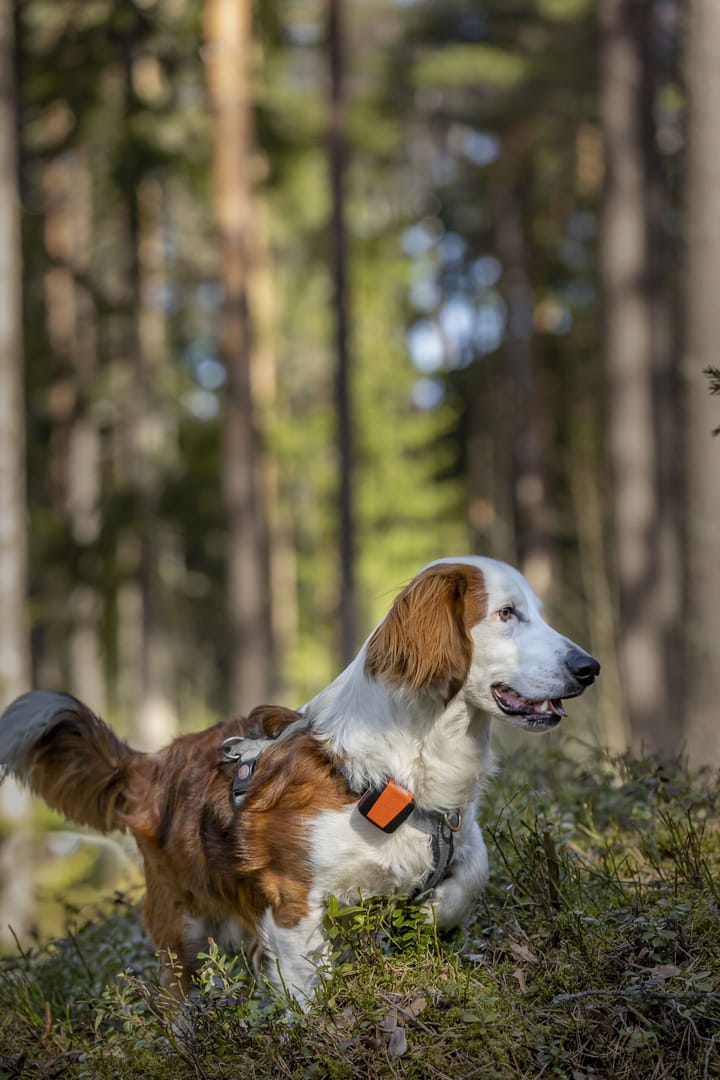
424	642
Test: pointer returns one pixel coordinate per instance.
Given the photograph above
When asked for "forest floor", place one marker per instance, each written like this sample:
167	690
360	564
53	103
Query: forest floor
595	952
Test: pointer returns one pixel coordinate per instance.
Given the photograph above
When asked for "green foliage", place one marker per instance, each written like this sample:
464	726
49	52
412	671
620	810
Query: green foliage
594	952
713	375
470	66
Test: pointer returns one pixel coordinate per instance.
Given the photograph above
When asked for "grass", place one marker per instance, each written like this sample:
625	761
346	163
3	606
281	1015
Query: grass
595	952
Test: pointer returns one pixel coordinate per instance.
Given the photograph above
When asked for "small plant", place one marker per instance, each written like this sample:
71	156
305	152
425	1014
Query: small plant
714	376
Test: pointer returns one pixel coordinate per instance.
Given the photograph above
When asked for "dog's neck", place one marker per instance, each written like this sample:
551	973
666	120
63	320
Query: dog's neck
440	753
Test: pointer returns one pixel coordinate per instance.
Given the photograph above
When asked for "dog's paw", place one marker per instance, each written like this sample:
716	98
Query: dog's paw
449	904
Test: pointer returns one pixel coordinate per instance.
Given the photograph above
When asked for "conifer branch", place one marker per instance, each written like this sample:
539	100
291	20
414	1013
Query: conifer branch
713	374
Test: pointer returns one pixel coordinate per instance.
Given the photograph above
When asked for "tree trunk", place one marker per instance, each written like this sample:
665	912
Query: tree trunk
282	564
14	647
630	376
702	321
146	447
663	258
228	32
76	439
530	498
489	469
156	451
15	884
348	600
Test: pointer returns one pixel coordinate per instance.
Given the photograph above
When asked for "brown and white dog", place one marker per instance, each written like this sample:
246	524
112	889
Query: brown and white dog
408	720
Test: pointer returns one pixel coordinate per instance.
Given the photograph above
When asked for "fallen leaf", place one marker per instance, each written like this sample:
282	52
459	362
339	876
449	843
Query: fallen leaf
346	1018
522	952
389	1023
665	971
413	1009
397	1043
520	976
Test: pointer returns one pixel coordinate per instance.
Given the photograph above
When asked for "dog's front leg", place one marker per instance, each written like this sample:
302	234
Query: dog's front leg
452	900
295	955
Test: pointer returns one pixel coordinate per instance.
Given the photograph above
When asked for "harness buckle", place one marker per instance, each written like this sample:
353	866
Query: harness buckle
242	780
453	820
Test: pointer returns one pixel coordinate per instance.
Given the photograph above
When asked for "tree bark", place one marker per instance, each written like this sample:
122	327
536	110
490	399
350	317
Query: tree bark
343	398
156	453
228	34
267	406
14	647
72	334
145	449
702	325
529	463
629	365
15	882
664	306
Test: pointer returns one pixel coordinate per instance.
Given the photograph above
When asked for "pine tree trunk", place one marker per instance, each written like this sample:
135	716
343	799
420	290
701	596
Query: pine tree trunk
630	377
15	882
282	563
664	306
14	655
228	30
156	451
529	488
343	399
702	321
76	441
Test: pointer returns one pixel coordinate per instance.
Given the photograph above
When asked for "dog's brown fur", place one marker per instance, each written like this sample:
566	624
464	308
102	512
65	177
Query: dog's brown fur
203	858
425	639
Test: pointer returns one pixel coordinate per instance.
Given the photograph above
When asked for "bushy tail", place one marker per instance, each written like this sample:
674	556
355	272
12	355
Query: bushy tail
68	756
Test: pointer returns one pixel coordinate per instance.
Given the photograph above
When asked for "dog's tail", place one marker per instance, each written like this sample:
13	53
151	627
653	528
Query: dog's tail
68	756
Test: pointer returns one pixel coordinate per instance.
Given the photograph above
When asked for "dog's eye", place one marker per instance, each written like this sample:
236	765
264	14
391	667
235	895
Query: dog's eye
506	612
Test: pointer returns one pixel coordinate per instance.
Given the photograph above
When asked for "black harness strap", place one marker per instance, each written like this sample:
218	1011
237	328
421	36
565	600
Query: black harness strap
440	827
245	753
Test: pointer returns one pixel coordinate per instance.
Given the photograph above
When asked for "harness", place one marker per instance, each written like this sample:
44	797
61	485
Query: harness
386	805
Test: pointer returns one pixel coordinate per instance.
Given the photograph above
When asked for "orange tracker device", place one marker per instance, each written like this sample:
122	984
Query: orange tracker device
387	805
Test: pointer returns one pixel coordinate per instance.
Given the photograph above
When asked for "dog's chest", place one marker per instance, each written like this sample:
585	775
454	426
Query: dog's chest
351	857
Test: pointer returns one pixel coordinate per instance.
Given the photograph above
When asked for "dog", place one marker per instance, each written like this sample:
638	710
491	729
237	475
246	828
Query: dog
247	828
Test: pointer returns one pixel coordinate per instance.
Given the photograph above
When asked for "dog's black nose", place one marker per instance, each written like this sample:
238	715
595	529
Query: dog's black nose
583	667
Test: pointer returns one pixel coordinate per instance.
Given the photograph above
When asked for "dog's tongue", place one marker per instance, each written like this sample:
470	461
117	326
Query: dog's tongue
513	700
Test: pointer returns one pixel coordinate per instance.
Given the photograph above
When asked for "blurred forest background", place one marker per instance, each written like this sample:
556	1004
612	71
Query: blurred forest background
297	296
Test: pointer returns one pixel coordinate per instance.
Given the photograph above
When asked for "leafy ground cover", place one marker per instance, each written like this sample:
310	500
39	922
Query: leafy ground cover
595	952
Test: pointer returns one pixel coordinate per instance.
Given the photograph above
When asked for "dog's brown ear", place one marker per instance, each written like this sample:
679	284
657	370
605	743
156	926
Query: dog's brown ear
424	642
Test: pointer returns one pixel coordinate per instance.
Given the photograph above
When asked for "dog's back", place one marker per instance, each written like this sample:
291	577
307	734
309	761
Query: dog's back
206	863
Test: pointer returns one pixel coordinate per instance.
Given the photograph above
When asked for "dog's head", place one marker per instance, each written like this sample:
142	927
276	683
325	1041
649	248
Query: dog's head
474	625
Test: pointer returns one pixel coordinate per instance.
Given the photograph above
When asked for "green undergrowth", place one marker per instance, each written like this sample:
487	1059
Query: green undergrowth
595	952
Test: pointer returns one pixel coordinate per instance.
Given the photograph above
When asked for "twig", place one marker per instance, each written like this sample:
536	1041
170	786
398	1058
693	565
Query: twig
642	991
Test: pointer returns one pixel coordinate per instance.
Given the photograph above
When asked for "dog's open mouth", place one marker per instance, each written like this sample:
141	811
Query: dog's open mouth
532	713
